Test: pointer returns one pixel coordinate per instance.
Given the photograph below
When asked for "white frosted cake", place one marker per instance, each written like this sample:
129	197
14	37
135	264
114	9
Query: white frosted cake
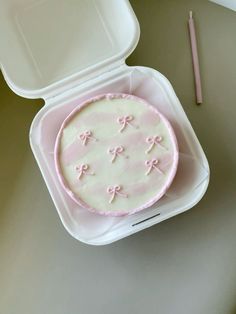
115	154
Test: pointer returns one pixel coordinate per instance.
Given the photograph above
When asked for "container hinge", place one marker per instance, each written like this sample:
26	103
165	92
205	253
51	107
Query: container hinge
91	80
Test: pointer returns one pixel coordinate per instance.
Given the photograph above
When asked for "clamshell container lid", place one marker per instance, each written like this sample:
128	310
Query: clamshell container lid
49	46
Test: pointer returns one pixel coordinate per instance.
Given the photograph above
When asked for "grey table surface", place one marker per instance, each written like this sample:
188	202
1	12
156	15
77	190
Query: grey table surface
184	265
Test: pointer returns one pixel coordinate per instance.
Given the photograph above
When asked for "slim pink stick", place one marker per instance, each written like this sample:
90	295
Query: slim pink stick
196	68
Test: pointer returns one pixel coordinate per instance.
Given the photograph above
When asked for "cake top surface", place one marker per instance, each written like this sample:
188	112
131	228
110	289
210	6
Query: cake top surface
115	154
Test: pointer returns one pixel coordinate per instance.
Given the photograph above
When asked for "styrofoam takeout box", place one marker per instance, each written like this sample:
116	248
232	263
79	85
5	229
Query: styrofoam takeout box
67	51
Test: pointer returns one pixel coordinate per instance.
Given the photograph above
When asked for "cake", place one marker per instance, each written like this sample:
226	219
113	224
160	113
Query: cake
115	154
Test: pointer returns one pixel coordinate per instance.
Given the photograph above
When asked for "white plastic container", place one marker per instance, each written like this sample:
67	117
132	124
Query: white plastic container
66	51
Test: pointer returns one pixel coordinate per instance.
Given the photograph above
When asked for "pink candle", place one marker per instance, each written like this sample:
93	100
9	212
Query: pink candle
196	69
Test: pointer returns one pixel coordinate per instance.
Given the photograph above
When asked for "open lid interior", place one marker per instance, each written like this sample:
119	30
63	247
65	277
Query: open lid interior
49	45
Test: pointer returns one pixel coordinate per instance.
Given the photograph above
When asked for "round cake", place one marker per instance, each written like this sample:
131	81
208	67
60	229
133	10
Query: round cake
116	154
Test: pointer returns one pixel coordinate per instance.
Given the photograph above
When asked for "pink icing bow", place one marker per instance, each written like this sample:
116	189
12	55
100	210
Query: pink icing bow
83	169
124	121
116	152
153	140
85	136
152	164
115	190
